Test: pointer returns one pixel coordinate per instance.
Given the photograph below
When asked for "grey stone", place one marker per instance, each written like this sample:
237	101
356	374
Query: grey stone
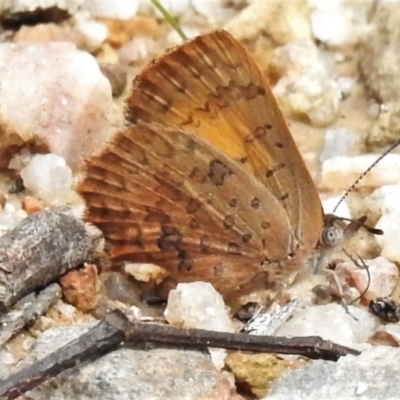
6	361
371	376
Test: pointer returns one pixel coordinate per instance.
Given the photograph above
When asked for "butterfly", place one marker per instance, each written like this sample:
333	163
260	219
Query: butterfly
206	180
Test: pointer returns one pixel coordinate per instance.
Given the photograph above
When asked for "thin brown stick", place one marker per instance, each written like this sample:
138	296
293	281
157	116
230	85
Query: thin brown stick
312	347
94	343
116	327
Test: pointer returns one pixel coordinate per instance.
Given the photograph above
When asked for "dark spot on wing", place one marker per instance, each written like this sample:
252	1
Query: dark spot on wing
233	248
170	239
185	261
246	238
284	197
155	215
255	203
205	243
274	169
233	202
265	225
193	224
229	221
197	175
218	172
192	206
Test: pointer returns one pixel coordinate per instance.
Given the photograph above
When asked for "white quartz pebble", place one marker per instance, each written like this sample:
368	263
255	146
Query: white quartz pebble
342	172
119	9
49	178
54	96
306	86
199	305
390	240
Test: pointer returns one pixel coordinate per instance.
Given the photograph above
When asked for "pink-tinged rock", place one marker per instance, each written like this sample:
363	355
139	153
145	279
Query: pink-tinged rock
379	281
53	98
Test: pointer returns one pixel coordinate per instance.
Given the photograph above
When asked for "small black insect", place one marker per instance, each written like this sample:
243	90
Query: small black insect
386	309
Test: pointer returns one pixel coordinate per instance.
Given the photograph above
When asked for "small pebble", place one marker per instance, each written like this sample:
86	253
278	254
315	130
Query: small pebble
390	240
176	8
339	23
117	77
216	11
118	287
31	204
282	21
341	172
67	310
135	50
384	200
95	33
21	8
9	218
306	87
379	281
199	305
331	206
346	85
386	335
379	58
118	9
81	287
145	272
338	142
49	178
331	322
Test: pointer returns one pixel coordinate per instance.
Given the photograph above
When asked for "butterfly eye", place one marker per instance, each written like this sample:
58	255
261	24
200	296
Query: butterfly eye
331	236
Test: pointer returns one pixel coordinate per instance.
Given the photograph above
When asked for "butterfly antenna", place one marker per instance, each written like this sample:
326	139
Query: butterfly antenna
362	264
350	189
169	18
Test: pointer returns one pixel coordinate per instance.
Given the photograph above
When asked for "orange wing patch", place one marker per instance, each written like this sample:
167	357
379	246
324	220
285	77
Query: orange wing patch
212	86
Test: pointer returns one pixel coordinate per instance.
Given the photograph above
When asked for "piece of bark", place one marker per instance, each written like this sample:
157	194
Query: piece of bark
44	246
13	322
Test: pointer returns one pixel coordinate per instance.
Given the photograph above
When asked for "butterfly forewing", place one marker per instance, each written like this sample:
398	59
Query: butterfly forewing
212	86
166	195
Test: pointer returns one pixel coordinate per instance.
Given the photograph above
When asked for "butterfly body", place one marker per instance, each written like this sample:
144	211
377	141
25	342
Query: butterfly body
206	181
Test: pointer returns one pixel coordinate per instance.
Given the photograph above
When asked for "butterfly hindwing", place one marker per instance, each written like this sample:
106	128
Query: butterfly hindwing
164	194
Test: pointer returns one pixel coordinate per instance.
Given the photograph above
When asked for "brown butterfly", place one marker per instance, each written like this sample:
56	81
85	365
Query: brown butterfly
207	181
